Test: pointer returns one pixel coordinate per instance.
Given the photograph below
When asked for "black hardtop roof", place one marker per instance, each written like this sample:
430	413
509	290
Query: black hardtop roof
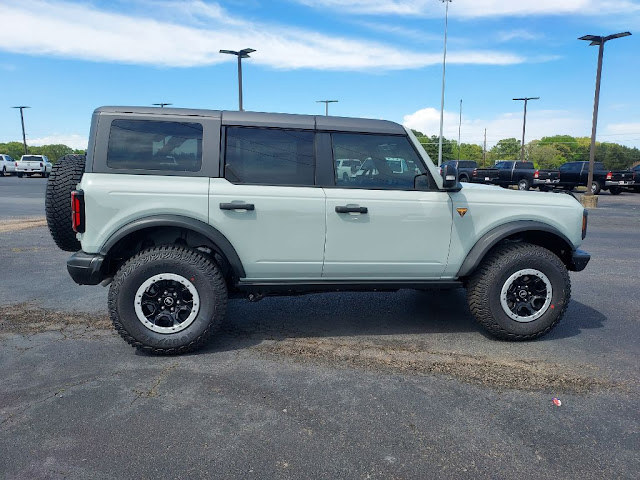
262	119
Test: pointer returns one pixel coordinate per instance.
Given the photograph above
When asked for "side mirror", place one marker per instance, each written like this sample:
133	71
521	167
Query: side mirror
450	178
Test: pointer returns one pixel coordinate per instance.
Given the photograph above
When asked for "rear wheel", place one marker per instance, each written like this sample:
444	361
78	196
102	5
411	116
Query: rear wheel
464	179
519	292
596	187
167	300
523	184
65	175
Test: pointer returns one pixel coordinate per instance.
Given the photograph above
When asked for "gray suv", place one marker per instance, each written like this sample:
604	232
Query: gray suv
178	210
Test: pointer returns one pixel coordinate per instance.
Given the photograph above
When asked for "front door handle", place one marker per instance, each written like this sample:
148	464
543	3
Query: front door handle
351	209
237	206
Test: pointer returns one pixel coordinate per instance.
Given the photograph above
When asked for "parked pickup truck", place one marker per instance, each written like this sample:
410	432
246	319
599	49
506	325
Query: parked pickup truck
506	173
616	182
33	165
636	178
574	174
7	165
465	168
546	179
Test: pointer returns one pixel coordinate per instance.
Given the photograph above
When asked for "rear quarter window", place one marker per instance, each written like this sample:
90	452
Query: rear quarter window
155	145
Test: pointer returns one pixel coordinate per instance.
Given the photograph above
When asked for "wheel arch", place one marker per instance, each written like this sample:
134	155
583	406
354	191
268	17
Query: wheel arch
529	231
162	229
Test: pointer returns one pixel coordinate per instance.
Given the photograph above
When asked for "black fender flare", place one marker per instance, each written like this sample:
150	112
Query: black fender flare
204	229
499	233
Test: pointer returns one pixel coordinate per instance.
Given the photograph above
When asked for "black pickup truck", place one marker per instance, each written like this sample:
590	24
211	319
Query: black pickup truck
575	174
465	168
616	182
545	180
505	173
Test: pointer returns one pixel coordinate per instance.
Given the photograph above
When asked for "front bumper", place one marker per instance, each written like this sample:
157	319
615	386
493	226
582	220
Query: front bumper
86	268
579	260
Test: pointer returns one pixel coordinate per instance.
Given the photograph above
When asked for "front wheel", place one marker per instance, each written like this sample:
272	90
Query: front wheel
167	300
519	292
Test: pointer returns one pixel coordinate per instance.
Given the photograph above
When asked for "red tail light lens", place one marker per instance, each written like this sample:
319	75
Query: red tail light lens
77	211
475	172
585	218
609	176
536	174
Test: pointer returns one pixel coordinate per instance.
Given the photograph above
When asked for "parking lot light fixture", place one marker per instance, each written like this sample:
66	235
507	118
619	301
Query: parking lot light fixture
244	53
161	104
524	122
326	105
24	136
600	41
444	64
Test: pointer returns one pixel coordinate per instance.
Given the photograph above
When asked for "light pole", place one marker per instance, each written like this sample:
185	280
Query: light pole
24	137
161	104
240	54
326	105
459	128
524	122
597	40
444	63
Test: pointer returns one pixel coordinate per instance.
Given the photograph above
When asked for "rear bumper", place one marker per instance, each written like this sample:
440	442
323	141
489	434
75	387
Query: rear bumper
622	183
579	260
85	268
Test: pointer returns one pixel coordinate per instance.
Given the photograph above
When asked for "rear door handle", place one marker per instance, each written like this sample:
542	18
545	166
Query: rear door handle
351	209
237	206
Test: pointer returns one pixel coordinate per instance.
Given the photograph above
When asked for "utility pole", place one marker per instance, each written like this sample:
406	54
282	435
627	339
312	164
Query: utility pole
484	150
524	122
597	40
326	105
444	64
24	136
162	104
459	127
240	54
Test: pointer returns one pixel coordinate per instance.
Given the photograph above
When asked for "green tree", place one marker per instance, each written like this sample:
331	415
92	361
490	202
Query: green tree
505	149
544	155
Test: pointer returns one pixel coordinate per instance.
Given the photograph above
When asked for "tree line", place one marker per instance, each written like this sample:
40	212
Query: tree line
548	152
52	152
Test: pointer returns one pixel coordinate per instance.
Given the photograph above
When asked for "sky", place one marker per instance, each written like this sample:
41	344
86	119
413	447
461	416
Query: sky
379	58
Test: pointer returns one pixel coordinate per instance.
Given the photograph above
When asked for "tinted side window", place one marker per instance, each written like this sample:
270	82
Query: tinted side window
524	165
152	145
468	164
269	156
388	161
571	167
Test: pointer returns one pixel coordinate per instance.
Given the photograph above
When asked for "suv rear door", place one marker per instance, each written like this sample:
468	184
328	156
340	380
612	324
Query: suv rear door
378	226
280	232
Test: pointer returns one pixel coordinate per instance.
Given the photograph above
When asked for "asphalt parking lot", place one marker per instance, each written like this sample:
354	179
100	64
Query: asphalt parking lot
358	385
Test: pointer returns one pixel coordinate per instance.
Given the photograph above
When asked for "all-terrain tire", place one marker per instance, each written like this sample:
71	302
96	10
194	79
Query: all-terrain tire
183	262
64	177
596	187
484	290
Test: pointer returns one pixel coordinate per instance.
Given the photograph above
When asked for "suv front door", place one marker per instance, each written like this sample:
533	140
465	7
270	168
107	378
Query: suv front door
378	226
266	203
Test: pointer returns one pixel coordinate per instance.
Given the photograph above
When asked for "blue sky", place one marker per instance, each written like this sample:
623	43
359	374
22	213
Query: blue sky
379	58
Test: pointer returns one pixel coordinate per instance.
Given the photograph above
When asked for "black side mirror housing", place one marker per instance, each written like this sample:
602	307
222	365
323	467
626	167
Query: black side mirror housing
450	178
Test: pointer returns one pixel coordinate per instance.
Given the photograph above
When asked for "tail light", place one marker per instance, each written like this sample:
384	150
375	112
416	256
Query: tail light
474	173
585	216
77	211
41	164
16	164
609	176
536	174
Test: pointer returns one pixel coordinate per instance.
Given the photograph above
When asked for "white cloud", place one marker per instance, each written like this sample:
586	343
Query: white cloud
625	133
478	8
508	36
82	31
540	123
72	140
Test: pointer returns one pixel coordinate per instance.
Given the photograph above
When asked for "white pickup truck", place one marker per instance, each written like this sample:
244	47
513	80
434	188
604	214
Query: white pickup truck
33	165
7	165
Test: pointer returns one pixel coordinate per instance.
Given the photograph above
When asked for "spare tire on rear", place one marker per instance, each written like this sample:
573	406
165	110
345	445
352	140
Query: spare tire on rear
65	175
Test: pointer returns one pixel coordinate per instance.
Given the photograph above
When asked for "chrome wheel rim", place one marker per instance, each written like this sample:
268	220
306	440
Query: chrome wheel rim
167	303
526	295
